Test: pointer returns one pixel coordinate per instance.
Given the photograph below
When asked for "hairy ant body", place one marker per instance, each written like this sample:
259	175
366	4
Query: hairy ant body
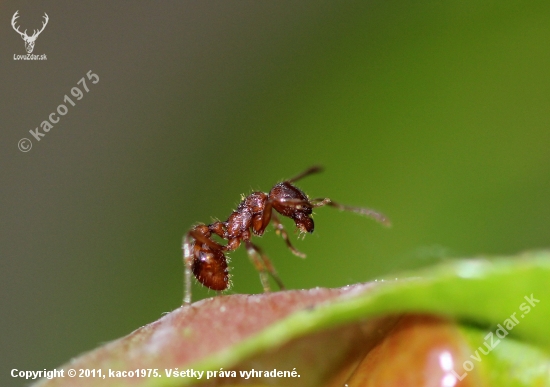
205	258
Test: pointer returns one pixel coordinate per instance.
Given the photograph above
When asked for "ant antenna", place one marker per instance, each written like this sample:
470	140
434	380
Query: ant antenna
307	172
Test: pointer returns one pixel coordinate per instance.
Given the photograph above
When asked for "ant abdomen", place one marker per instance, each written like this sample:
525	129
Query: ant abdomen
210	269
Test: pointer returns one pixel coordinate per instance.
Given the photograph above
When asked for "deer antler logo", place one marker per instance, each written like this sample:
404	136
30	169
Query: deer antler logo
29	40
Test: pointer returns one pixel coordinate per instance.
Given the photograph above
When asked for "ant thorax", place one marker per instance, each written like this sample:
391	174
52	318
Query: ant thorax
249	214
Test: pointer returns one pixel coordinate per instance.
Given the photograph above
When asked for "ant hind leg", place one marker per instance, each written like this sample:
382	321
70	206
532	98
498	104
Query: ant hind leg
188	265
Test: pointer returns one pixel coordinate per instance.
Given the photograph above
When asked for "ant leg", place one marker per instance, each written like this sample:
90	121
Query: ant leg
188	264
307	172
378	216
200	237
263	265
266	215
281	230
257	262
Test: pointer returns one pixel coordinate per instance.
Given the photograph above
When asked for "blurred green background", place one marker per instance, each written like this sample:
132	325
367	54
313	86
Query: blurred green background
434	113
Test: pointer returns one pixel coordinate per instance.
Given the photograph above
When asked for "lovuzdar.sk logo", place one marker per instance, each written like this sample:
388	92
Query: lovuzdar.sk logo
29	40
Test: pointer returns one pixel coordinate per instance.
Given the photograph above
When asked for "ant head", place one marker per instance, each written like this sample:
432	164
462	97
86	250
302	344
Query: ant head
291	202
304	222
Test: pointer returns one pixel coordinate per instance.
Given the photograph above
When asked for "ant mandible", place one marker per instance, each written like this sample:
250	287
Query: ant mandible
206	259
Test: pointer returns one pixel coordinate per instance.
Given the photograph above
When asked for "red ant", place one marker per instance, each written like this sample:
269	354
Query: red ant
205	257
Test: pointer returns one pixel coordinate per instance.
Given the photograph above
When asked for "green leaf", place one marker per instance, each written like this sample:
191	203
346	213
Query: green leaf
322	334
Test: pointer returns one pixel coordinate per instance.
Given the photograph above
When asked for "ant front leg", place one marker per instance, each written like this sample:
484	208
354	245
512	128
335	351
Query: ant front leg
281	230
263	265
378	216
